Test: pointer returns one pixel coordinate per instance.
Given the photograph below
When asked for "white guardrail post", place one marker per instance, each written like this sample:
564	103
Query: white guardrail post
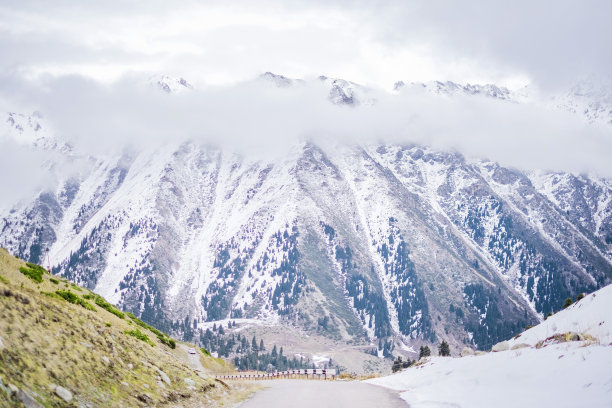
308	373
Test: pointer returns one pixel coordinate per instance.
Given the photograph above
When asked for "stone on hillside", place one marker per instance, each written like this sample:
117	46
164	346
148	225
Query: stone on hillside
164	376
1	344
144	397
4	389
190	383
13	388
106	360
574	336
63	393
520	346
467	352
27	400
501	346
130	366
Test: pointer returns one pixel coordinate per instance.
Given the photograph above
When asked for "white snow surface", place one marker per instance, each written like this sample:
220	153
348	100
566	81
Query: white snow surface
591	315
562	375
558	375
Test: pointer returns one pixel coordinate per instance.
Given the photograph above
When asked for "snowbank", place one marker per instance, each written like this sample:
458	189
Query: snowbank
571	374
591	315
561	375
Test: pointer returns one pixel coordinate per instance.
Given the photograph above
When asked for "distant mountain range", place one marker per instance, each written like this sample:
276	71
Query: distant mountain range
358	242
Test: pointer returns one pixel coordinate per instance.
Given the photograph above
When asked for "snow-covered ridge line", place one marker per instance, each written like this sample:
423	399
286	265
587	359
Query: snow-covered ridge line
441	245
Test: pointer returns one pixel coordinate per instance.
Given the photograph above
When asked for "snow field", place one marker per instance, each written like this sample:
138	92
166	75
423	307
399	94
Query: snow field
570	374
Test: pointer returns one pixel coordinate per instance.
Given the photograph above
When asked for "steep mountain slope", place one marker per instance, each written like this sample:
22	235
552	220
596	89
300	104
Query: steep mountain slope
62	345
564	361
364	242
385	237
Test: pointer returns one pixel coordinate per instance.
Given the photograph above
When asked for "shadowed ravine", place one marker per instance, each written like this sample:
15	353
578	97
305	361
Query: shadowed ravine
323	394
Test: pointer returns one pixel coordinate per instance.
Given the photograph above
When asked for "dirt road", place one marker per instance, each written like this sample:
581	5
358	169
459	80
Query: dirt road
193	360
323	394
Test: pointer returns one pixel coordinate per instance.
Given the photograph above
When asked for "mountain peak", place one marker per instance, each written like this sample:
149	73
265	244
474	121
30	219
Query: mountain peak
170	84
280	81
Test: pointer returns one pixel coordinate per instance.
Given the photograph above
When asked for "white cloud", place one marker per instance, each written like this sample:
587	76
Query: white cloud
52	51
257	117
375	43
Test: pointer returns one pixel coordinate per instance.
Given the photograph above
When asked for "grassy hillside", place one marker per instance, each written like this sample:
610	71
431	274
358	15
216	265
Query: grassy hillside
62	345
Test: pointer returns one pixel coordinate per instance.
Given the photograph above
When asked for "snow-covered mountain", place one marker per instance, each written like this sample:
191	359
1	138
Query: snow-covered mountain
589	99
585	98
450	88
358	242
169	84
33	130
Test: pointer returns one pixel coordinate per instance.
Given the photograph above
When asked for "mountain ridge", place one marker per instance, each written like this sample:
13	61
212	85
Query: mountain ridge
385	241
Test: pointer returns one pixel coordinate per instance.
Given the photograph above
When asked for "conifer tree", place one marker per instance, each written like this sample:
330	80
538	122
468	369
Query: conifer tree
424	351
444	349
397	364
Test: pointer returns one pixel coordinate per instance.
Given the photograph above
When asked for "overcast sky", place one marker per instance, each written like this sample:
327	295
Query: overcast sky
551	43
83	64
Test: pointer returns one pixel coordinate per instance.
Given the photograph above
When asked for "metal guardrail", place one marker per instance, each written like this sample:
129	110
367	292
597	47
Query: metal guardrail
315	374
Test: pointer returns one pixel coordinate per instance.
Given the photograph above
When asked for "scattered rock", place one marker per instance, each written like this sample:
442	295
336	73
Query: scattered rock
1	344
467	352
574	336
146	398
126	385
520	346
106	360
146	386
52	387
63	393
130	366
190	383
13	389
501	346
161	385
27	400
4	389
164	377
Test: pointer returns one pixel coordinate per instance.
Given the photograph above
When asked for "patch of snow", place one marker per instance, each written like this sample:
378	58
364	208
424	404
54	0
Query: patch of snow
565	374
561	375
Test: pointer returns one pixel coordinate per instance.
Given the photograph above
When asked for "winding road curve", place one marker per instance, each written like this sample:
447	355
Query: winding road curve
323	394
194	360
